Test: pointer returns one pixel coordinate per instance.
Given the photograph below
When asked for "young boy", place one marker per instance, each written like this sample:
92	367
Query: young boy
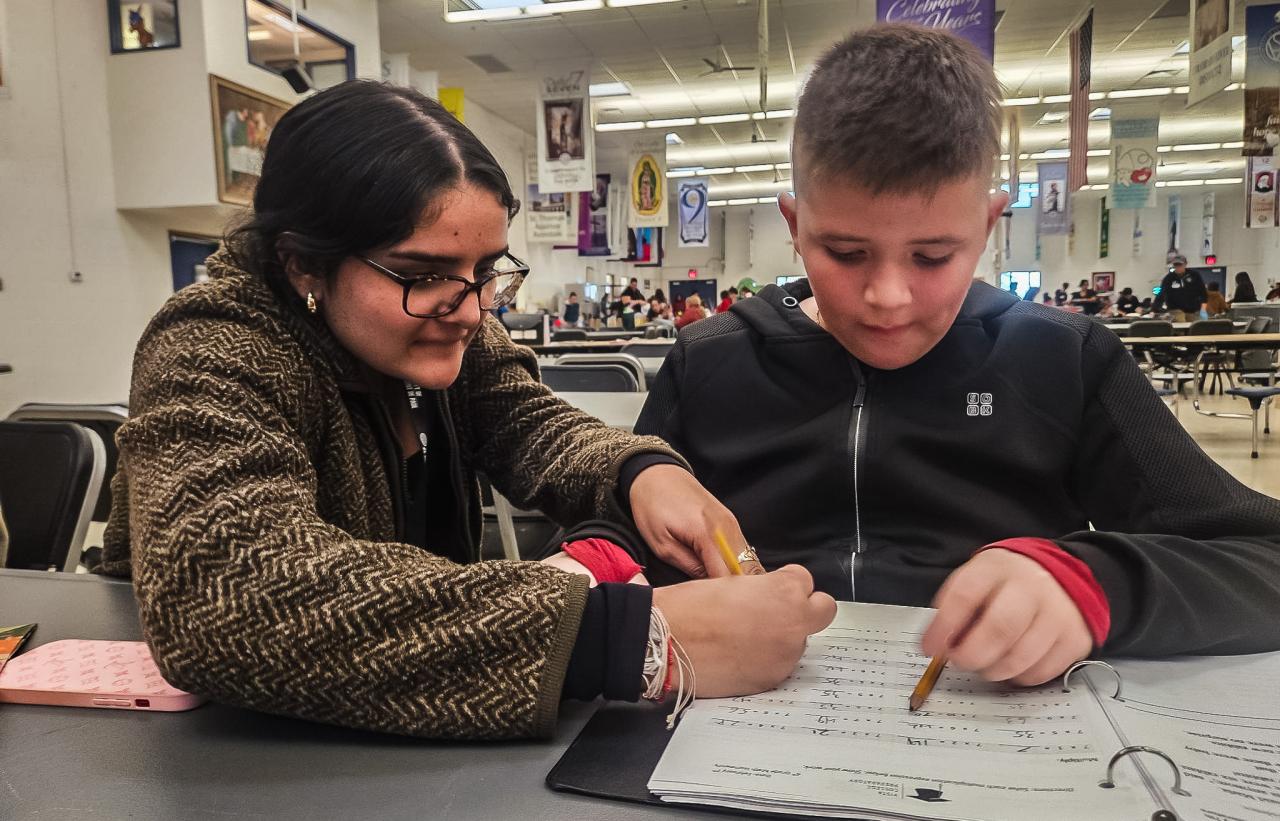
913	437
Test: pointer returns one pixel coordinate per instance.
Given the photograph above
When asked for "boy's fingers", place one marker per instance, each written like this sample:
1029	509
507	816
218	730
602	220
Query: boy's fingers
1004	619
958	603
1028	651
1050	666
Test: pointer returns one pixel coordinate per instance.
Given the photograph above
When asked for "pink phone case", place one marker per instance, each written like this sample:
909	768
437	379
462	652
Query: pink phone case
117	675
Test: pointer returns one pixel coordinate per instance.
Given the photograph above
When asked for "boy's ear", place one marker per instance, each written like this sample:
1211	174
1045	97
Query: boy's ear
787	205
999	204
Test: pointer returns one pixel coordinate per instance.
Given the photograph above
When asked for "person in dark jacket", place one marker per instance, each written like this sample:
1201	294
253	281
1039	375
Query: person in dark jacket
1244	289
1182	292
913	437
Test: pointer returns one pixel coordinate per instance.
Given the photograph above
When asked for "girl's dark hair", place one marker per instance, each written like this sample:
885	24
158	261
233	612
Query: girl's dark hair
1244	288
352	169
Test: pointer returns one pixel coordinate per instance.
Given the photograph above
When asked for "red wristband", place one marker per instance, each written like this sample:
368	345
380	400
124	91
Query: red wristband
606	561
1073	575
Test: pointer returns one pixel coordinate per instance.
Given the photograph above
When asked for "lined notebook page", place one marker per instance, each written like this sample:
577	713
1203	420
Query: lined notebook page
837	739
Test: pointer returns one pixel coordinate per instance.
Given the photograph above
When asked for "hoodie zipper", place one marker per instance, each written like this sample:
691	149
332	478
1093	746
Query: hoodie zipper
857	434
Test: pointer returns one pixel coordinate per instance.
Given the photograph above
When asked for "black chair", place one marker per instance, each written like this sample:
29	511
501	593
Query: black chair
1150	327
649	350
50	476
624	359
598	378
569	335
1257	396
103	420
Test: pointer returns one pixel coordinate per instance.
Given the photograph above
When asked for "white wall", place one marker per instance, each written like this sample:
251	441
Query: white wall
58	210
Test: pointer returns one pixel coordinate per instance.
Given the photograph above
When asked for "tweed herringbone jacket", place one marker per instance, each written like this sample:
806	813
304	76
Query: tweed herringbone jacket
253	509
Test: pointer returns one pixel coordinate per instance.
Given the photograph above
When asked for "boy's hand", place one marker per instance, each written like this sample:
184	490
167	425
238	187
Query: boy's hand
1004	616
678	518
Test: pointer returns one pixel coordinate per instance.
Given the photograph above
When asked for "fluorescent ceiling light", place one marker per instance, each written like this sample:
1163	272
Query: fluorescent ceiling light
723	118
1197	147
1012	101
744	201
1051	154
768	200
610	89
543	9
1164	149
259	33
1097	95
1058	98
1182	183
711	171
779	114
1098	152
628	126
671	122
1182	89
717	203
747	169
1100	113
1139	92
1236	144
1004	158
473	15
682	172
619	4
786	166
674	139
1224	180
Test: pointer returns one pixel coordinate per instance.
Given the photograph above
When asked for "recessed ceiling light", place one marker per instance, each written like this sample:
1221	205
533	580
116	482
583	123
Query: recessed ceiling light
610	89
715	119
671	122
627	126
543	9
476	15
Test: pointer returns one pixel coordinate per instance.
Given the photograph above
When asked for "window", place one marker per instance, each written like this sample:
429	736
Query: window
269	31
1023	281
784	280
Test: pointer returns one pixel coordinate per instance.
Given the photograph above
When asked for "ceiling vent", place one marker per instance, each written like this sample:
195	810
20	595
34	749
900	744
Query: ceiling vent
490	64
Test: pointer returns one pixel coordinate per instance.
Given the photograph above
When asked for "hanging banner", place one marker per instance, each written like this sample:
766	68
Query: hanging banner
1055	203
1260	193
1134	135
648	182
454	101
1015	146
1210	48
1078	114
1262	80
566	143
1175	228
1206	226
972	20
549	218
1104	229
695	217
593	219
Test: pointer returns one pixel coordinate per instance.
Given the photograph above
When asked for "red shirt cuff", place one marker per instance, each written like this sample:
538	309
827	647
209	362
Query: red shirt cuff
1073	575
606	561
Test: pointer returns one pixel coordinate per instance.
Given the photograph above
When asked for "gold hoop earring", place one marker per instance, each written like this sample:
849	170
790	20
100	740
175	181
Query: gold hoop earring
312	305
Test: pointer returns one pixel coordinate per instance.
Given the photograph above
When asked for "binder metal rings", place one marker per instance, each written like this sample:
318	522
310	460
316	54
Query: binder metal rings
1177	773
1066	677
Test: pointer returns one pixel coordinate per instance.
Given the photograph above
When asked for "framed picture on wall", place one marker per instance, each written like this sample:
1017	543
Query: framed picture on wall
1104	281
145	25
644	247
242	123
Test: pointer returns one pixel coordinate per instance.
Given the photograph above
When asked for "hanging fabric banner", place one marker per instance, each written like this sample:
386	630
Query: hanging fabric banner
691	196
648	181
1055	202
1175	228
549	218
454	101
566	143
1260	193
1104	229
1078	113
1015	146
1134	135
1206	226
1262	80
594	219
972	20
1210	48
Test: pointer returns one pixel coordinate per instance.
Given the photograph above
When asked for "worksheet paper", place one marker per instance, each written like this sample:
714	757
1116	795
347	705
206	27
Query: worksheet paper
1218	718
837	739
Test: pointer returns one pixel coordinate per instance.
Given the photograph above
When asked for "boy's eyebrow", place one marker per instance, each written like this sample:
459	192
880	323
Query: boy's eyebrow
938	240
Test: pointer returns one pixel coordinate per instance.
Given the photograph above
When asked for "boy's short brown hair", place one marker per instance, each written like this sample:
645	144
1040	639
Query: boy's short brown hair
898	108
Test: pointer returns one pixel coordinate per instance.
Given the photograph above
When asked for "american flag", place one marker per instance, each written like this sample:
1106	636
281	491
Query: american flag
1078	141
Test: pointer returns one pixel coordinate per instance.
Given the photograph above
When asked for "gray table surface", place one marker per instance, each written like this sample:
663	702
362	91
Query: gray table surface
617	410
220	762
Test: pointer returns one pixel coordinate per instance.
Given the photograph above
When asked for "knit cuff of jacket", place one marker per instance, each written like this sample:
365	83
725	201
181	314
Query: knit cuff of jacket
1073	575
606	561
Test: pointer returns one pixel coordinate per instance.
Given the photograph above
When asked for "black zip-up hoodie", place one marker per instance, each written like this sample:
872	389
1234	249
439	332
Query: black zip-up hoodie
1022	421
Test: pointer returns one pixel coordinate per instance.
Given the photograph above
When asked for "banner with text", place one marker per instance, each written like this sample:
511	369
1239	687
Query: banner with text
972	20
595	219
566	141
1210	48
1134	138
1260	193
1262	80
648	184
1055	201
549	218
695	222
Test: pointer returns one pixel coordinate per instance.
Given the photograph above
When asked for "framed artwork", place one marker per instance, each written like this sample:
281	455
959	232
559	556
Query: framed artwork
144	25
242	124
1104	281
644	246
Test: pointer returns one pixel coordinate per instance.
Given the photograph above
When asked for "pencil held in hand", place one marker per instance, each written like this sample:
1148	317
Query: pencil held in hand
927	682
746	563
726	553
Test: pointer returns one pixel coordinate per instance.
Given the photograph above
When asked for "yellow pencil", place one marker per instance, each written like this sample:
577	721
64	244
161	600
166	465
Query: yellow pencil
927	682
727	553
